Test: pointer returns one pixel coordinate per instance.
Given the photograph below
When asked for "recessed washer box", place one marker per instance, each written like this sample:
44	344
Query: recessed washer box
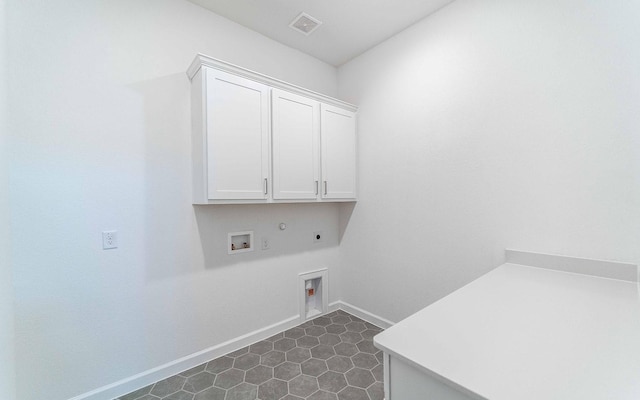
240	242
313	294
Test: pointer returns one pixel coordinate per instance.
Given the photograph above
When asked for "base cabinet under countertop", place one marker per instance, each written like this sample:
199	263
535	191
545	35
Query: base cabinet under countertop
406	382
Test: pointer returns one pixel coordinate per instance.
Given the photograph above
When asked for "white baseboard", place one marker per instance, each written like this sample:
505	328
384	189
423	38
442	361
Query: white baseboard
153	375
362	314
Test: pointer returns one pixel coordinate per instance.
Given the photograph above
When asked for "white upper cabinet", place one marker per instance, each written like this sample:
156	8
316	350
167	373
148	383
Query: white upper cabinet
237	132
338	153
256	139
296	146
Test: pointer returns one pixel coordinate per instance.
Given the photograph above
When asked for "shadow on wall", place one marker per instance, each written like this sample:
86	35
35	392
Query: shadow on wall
180	238
346	210
302	221
167	232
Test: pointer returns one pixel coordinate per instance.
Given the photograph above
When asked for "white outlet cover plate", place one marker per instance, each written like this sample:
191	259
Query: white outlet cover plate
109	240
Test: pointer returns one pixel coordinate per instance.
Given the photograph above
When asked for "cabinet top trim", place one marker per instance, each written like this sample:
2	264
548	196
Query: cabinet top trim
203	60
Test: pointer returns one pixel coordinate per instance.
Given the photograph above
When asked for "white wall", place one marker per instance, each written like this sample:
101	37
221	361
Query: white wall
492	125
101	140
7	360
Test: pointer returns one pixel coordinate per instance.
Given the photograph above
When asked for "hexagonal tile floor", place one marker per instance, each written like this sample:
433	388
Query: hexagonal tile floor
329	358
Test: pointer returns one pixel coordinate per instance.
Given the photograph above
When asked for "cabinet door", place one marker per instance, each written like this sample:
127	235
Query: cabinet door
295	140
237	128
338	137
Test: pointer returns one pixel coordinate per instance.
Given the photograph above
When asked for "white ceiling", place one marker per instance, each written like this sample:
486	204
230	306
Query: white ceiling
349	27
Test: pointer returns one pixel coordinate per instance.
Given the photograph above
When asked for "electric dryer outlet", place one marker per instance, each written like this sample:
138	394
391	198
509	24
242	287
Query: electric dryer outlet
318	236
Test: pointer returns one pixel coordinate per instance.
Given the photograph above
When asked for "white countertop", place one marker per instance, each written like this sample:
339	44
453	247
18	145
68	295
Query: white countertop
522	332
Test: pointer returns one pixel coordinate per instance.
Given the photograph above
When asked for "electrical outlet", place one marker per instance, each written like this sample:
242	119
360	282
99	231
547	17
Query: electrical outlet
109	240
266	243
318	236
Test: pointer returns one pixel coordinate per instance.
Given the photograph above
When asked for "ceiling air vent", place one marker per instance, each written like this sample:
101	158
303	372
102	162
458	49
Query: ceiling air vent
305	24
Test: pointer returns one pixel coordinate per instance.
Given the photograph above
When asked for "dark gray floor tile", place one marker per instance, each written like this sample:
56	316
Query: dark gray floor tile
359	377
303	385
332	314
378	372
300	363
137	393
322	395
212	393
371	326
345	349
272	358
284	344
292	397
322	321
376	391
336	328
261	348
351	337
229	378
167	386
307	341
219	364
369	334
315	330
239	352
258	374
294	333
199	382
306	324
181	395
244	391
356	327
364	360
339	364
246	361
367	347
332	381
148	397
329	339
273	389
341	319
314	367
287	371
352	393
193	371
275	337
323	352
298	354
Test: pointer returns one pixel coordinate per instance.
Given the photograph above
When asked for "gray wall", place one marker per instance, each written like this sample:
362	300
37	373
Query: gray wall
7	360
492	125
101	109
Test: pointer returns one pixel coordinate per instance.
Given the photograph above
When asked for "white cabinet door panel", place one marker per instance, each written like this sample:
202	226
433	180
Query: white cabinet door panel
338	137
295	141
237	137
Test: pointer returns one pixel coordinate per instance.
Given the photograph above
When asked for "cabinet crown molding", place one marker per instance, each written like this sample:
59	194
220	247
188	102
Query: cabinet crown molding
203	60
